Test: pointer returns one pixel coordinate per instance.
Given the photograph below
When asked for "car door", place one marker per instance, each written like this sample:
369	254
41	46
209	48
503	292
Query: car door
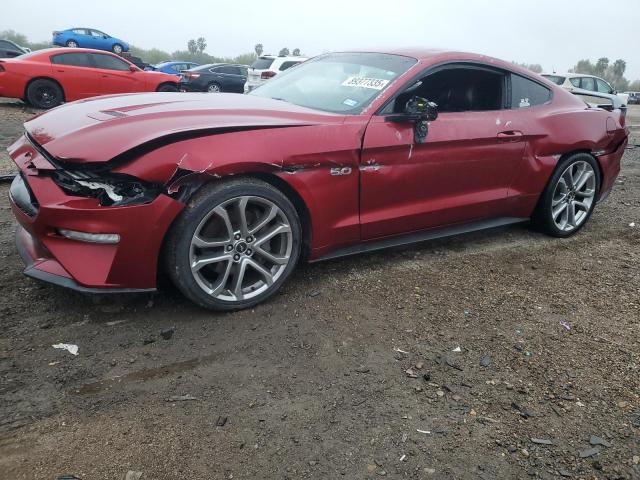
460	173
229	78
115	75
98	40
82	37
75	72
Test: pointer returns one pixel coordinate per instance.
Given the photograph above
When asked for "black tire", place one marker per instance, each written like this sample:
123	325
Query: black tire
178	246
72	44
167	87
542	218
44	93
211	88
117	48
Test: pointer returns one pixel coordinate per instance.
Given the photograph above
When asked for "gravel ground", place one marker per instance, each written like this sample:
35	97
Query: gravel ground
523	348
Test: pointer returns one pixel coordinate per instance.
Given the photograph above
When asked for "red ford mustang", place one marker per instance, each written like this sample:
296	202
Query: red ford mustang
345	153
47	78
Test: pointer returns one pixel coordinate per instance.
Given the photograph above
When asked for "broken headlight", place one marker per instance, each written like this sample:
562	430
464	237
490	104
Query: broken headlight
111	189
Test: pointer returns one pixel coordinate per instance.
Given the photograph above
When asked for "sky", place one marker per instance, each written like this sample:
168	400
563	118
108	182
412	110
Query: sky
555	34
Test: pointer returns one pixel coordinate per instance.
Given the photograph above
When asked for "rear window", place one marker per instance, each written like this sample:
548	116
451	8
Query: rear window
262	63
72	59
558	80
527	93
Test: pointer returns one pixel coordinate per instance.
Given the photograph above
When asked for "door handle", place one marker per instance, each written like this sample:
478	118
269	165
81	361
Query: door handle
510	135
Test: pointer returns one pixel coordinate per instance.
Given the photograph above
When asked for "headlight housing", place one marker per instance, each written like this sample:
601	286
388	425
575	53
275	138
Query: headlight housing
111	189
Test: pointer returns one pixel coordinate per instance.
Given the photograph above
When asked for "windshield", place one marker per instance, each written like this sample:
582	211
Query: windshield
337	82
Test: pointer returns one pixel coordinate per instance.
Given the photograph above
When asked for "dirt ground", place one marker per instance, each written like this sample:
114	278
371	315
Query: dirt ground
525	351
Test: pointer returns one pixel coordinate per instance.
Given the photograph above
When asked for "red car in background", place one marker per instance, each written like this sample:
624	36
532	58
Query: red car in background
47	78
345	153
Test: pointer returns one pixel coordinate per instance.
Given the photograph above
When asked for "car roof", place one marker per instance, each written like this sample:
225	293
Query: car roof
573	75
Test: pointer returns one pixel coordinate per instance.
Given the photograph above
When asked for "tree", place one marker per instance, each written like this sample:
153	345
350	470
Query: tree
296	52
192	46
258	49
634	86
584	66
618	67
201	44
284	52
601	66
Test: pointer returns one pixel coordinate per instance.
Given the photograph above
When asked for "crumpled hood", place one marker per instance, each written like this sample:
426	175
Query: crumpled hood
100	128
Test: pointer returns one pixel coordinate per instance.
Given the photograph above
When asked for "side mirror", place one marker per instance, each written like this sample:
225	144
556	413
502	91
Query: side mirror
418	111
133	68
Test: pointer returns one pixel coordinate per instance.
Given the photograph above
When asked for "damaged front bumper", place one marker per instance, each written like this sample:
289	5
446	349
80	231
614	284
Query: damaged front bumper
46	212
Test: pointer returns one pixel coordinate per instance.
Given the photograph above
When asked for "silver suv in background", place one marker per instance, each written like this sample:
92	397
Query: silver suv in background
268	66
582	84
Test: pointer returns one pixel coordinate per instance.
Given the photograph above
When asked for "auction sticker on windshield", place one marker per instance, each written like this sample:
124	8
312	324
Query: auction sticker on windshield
364	82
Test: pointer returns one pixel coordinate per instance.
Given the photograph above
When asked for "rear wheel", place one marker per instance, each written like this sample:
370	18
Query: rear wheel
117	49
43	93
234	245
570	197
167	87
72	44
214	88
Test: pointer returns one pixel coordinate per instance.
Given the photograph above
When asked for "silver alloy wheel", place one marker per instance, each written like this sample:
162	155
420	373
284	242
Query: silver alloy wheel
117	49
240	248
72	44
573	196
213	88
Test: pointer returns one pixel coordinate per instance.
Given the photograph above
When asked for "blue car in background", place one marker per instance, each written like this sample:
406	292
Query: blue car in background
173	67
89	38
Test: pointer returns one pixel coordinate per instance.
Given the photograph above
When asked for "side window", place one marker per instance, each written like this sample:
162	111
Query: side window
243	71
527	93
107	62
289	64
79	31
603	87
575	82
227	69
178	67
588	83
72	59
458	89
96	33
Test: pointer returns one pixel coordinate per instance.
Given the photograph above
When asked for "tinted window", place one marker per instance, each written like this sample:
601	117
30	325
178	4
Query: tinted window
555	79
5	44
107	62
72	59
588	83
243	71
603	87
227	69
575	82
527	93
456	89
289	64
262	63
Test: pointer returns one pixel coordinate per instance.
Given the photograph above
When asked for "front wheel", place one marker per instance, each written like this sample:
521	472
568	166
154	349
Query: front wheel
234	245
117	49
570	196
